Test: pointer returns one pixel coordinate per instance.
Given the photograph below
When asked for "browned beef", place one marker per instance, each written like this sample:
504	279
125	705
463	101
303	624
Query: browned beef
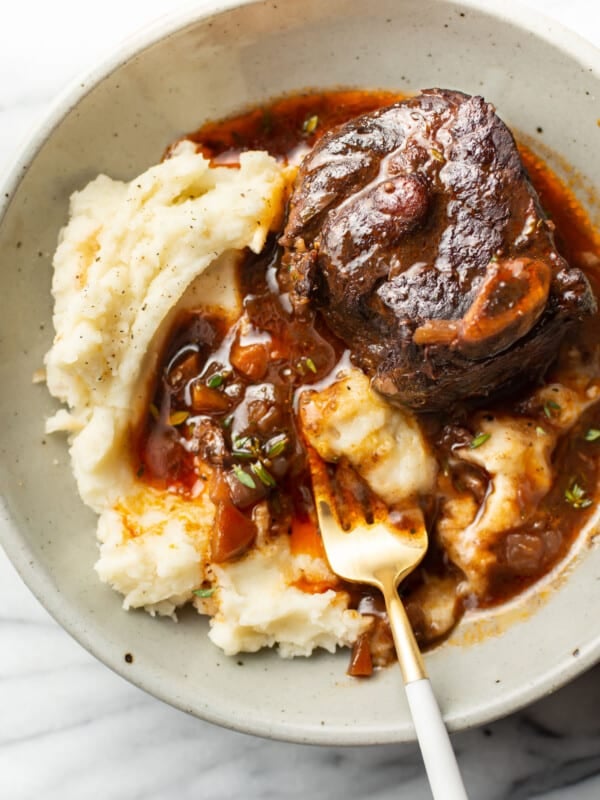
416	232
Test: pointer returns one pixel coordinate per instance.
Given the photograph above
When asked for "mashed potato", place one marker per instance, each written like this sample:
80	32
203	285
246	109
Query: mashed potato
125	259
384	444
517	456
249	619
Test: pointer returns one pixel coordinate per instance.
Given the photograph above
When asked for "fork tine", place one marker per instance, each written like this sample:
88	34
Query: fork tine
327	511
331	530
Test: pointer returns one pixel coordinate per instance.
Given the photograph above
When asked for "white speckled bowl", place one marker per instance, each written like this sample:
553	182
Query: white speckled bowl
118	120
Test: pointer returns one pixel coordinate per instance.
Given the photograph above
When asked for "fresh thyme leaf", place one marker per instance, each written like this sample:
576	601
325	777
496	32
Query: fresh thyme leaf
242	453
437	155
265	477
178	417
204	592
592	434
243	477
480	439
575	492
215	381
310	124
549	407
246	446
540	431
575	496
311	364
276	445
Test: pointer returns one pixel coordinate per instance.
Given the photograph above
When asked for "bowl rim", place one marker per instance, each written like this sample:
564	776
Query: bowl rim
40	583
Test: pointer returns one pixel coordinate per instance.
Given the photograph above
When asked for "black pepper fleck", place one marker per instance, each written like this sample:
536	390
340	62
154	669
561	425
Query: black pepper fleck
129	658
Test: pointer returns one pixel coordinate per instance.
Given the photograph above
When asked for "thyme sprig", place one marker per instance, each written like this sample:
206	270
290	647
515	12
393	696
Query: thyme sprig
575	496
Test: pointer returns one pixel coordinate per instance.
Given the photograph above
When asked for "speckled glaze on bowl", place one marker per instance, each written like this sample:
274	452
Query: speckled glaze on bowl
205	64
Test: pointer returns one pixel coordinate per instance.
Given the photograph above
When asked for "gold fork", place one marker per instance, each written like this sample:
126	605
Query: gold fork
381	553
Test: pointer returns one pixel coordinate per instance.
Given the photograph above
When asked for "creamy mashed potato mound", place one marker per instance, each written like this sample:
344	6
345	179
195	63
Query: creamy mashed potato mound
299	621
127	256
124	260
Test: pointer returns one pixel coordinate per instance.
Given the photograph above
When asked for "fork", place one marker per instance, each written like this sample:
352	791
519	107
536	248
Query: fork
381	553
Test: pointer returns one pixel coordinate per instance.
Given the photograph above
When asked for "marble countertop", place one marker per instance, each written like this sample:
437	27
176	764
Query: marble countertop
70	728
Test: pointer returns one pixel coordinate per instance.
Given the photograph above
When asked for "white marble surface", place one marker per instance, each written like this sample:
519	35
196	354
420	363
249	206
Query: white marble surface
70	728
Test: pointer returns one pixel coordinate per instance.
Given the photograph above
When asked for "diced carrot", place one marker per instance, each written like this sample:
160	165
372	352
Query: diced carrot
185	370
219	488
233	533
205	399
361	663
251	360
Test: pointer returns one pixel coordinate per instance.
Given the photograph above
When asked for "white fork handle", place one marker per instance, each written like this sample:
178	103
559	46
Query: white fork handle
440	762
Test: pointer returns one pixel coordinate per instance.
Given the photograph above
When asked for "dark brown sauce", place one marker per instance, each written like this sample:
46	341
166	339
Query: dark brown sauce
286	124
225	396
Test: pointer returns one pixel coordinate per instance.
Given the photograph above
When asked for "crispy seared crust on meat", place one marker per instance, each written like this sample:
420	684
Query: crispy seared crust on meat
417	233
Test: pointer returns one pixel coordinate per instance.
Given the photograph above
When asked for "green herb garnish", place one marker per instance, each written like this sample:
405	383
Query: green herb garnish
242	453
310	124
540	431
592	434
246	446
178	417
265	477
437	155
480	439
275	446
204	592
215	381
243	447
549	407
575	496
310	364
243	477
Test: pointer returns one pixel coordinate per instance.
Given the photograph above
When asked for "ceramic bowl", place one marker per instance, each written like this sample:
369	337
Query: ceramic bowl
206	64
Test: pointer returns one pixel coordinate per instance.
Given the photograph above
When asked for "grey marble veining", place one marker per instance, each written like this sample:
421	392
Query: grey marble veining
70	728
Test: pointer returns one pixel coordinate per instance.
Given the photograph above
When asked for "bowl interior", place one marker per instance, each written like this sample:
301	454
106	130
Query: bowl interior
119	122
